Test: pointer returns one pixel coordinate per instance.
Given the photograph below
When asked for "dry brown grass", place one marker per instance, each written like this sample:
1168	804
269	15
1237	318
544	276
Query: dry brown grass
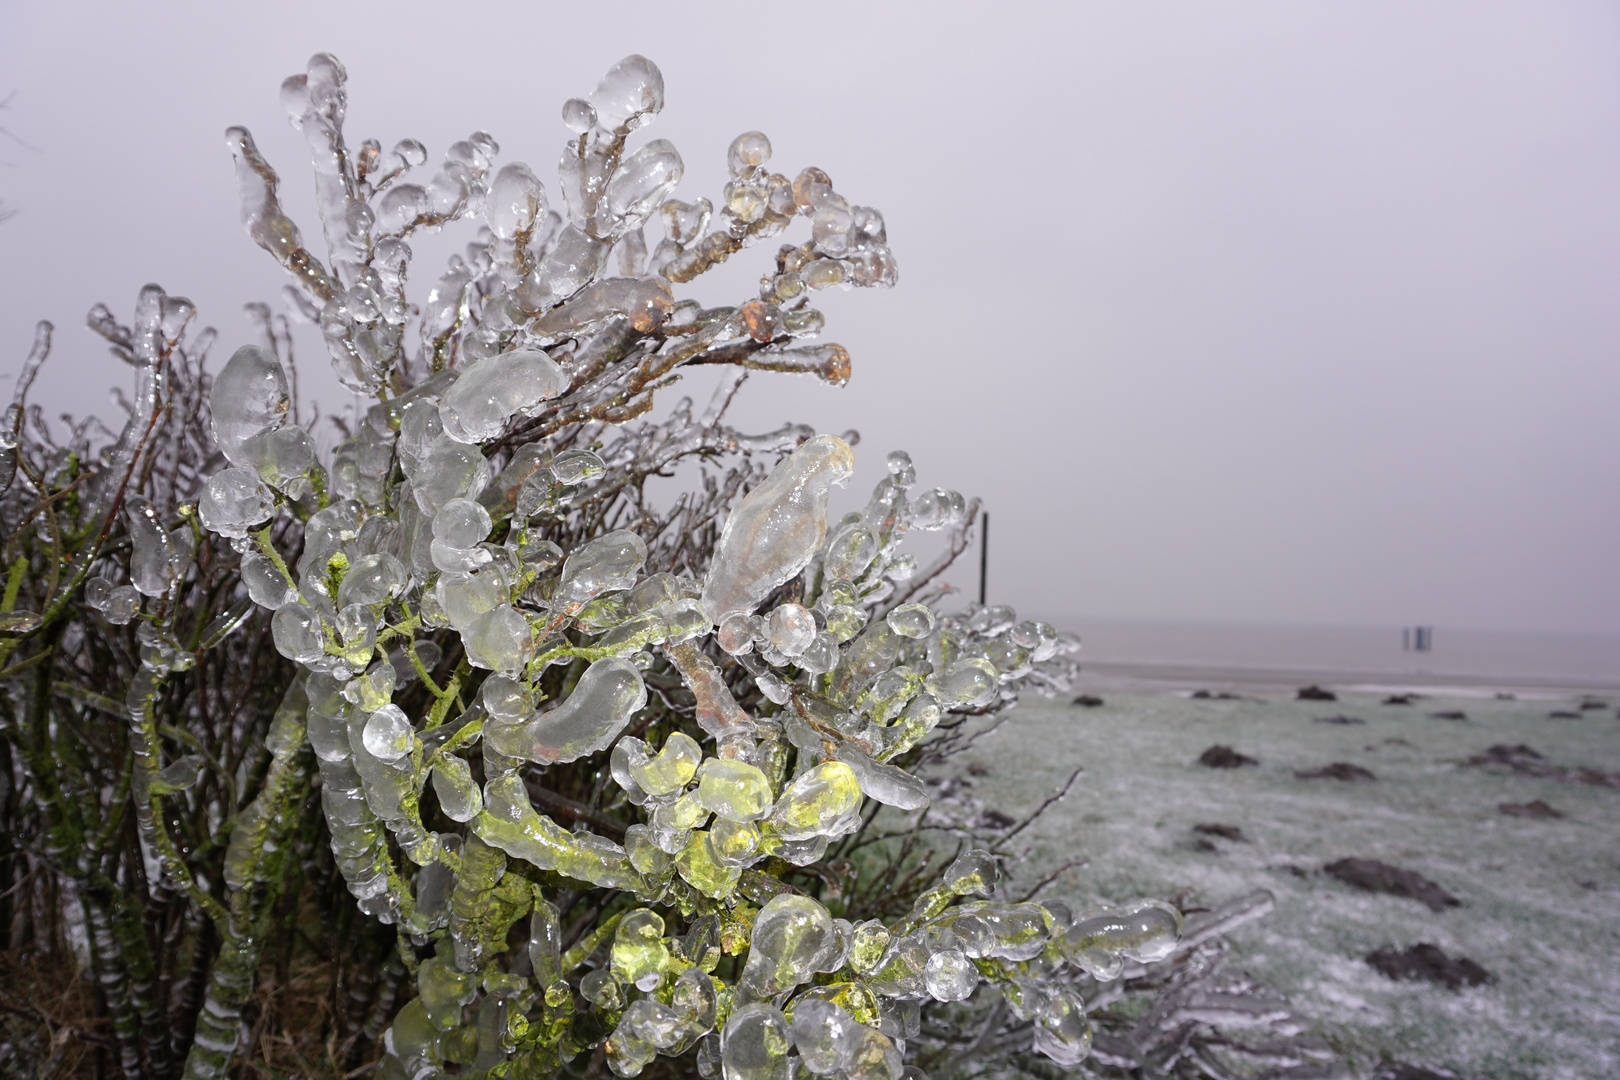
51	1027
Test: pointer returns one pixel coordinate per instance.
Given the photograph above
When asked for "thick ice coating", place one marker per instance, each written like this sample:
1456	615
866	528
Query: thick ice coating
489	391
775	532
608	694
509	822
249	398
609	562
1145	931
816	801
793	937
755	1044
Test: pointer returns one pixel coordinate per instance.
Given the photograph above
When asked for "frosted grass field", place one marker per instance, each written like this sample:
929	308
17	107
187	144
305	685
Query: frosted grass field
1541	897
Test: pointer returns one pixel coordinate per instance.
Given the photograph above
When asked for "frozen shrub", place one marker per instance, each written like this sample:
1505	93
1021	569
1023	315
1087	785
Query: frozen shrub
599	775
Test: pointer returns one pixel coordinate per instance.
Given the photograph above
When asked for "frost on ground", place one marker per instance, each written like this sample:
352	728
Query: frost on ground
1540	895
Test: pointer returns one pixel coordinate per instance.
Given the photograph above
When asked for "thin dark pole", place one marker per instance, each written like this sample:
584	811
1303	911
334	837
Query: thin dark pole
984	555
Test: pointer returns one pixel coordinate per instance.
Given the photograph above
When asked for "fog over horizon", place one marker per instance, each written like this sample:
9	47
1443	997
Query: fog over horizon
1249	312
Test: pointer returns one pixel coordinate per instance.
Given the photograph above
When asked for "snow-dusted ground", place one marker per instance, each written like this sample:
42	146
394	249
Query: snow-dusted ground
1541	897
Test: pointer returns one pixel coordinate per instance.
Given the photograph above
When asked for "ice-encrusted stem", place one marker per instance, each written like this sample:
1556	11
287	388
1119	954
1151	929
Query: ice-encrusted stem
717	711
256	870
146	748
270	228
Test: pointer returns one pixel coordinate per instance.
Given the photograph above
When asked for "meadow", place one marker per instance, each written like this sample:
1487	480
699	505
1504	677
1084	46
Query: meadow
1538	896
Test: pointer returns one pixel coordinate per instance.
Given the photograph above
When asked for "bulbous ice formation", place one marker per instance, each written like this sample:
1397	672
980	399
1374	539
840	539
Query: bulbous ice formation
609	562
1146	931
248	399
734	790
629	95
234	501
775	532
489	391
793	938
755	1044
814	803
825	1035
607	695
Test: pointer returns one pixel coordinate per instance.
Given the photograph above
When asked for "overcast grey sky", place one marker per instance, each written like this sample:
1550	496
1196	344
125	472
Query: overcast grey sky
1244	311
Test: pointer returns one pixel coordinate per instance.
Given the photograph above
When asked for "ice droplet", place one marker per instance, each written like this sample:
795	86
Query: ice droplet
466	598
459	797
672	769
950	976
734	789
967	682
178	775
500	639
443	991
851	551
641	183
776	530
118	604
153	562
685	222
736	633
374	689
821	655
461	523
373	579
283	458
1146	931
576	466
875	1057
1062	1032
887	784
639	955
816	801
508	701
792	628
578	116
936	509
629	95
792	937
912	620
747	153
733	843
510	822
515	201
388	734
645	1028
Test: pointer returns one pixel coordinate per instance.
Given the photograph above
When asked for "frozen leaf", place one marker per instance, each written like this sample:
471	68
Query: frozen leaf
755	1044
490	391
590	719
792	938
777	529
608	562
815	802
388	734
